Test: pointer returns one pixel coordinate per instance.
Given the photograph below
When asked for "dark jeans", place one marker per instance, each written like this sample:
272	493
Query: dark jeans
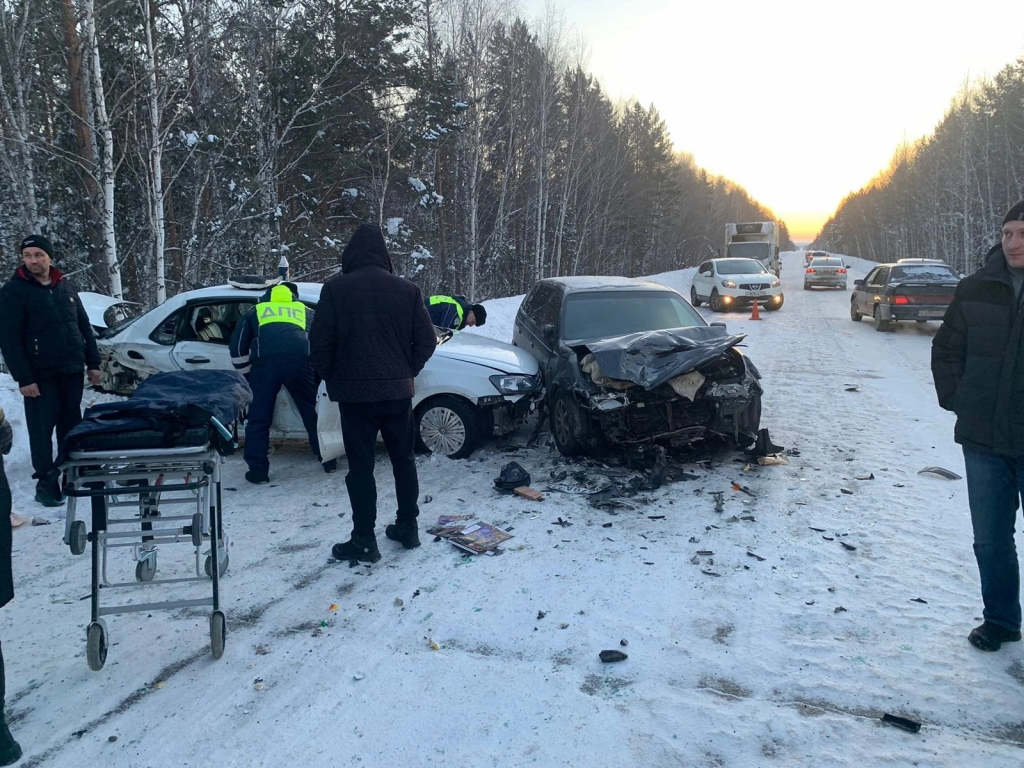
994	487
360	423
59	406
266	379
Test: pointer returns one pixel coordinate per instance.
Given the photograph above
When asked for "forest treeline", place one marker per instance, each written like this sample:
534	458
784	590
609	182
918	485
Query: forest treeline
945	195
164	144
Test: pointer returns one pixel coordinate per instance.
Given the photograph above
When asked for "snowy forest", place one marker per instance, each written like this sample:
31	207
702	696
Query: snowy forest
943	196
166	144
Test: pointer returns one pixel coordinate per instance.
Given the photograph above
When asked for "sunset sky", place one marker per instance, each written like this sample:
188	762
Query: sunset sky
799	102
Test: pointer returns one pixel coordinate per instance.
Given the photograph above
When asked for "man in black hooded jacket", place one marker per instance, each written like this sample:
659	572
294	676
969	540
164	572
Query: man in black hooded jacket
978	369
370	338
46	340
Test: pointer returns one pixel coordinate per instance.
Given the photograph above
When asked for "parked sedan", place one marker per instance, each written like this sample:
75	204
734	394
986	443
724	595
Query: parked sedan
472	387
629	362
903	291
827	271
730	283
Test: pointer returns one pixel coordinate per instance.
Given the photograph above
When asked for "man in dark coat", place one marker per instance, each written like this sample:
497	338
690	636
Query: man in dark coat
978	369
370	338
270	347
454	312
10	751
46	340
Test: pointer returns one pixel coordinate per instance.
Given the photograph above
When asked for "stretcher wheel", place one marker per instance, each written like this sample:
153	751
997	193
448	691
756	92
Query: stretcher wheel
96	646
197	529
218	634
223	565
145	570
78	537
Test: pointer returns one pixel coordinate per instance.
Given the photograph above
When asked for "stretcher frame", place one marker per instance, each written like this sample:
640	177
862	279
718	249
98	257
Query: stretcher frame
147	479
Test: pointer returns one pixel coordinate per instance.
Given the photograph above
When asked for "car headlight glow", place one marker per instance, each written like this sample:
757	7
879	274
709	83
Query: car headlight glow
728	284
515	383
776	282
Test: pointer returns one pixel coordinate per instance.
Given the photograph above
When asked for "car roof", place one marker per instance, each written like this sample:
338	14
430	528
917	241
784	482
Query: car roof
307	292
586	284
921	261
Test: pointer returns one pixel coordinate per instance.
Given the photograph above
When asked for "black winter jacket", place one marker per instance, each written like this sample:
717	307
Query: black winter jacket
44	329
371	334
978	361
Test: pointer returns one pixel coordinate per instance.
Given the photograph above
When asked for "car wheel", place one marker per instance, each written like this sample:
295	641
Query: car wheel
807	287
567	424
880	324
449	426
854	314
716	301
771	306
749	422
693	297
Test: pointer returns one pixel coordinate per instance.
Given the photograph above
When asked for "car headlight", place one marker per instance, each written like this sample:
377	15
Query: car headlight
776	283
728	284
515	383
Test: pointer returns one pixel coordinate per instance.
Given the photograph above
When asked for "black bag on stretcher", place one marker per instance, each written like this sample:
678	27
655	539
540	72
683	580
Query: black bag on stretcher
167	410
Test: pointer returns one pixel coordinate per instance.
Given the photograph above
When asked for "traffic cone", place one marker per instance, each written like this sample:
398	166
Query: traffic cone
755	313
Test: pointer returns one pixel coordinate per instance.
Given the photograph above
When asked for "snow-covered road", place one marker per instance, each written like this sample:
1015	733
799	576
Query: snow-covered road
787	658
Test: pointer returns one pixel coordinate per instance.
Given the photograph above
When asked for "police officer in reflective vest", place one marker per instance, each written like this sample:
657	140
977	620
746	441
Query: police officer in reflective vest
454	312
270	346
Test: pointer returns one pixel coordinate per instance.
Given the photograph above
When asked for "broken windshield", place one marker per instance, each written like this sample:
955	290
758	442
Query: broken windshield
606	314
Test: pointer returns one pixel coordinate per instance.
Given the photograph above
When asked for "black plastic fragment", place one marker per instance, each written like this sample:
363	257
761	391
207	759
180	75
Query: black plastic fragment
610	656
850	547
901	722
918	600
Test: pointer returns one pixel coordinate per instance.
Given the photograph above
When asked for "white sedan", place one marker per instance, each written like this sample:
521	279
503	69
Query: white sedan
472	386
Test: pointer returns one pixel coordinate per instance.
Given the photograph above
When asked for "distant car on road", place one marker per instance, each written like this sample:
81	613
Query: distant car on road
827	271
914	290
630	362
809	255
730	283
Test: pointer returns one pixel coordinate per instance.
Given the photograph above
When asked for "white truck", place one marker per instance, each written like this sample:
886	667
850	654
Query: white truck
754	240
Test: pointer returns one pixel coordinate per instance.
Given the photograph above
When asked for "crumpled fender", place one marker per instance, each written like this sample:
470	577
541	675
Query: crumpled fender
650	358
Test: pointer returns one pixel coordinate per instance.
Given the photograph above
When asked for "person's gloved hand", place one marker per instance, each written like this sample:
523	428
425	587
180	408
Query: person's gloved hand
6	434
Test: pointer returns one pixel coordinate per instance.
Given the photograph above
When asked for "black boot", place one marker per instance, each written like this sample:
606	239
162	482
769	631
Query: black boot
10	750
359	548
405	533
990	637
48	494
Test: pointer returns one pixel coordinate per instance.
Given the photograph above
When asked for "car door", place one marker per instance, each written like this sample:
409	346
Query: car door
202	338
535	323
862	292
702	281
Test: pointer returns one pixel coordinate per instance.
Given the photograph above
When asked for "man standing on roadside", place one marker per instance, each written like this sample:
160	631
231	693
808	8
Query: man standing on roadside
370	337
978	369
10	750
46	341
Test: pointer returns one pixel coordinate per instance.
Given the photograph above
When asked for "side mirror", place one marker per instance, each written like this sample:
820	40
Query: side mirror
547	333
858	282
719	324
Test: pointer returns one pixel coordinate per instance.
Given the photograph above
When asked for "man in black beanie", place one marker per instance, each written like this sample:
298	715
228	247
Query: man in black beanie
47	342
978	369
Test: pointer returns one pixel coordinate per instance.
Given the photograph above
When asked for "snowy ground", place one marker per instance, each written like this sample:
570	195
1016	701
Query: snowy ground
757	666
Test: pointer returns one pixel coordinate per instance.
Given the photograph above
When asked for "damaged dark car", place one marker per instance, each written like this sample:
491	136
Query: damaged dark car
629	363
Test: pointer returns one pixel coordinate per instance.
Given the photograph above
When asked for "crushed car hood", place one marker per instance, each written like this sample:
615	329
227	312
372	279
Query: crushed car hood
650	358
482	350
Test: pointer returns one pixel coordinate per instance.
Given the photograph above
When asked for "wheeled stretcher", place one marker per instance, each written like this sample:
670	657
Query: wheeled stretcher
151	470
